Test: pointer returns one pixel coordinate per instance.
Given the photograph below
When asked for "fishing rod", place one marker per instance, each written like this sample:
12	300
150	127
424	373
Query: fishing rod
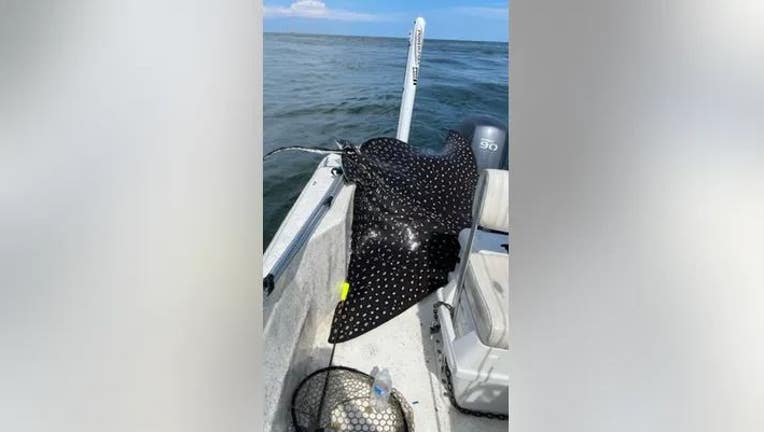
342	145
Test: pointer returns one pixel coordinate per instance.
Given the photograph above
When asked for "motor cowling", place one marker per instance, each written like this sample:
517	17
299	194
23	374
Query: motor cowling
489	140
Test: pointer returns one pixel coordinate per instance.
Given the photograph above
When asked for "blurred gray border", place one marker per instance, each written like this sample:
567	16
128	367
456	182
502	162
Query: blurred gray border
130	216
637	192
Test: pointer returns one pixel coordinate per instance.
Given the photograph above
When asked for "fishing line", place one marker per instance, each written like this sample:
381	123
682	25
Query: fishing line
344	289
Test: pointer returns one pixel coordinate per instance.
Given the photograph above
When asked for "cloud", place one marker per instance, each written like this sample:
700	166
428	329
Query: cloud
487	12
315	9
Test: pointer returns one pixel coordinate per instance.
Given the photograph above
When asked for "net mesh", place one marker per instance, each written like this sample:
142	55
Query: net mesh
345	405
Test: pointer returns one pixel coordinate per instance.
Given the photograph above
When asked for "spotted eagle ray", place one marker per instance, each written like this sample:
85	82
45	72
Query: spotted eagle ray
408	209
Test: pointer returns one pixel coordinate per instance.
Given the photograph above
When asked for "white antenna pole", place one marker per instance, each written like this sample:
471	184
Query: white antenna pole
410	79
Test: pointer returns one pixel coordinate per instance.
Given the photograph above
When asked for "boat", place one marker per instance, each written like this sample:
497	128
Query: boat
447	354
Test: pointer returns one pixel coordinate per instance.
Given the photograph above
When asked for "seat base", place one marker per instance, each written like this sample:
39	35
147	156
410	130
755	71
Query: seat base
479	373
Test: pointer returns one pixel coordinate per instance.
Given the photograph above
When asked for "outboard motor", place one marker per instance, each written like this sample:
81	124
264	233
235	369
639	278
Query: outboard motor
489	140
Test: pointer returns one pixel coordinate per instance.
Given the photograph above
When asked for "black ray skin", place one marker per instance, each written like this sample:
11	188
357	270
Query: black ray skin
408	210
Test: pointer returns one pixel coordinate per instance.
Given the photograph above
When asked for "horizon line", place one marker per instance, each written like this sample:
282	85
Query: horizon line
380	37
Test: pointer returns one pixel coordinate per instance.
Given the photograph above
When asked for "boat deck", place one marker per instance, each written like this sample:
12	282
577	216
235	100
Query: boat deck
405	347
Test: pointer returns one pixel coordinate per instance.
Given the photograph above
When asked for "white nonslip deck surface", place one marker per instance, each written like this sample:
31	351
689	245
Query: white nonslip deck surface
403	345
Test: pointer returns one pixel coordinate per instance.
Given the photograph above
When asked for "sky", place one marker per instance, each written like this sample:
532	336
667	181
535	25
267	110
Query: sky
481	20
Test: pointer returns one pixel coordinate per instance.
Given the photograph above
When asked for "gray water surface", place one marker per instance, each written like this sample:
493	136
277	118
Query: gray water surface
318	87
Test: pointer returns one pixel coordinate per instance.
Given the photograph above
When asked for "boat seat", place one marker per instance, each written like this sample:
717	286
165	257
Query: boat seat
476	337
487	287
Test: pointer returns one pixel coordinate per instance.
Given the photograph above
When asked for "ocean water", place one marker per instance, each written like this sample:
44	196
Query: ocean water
317	88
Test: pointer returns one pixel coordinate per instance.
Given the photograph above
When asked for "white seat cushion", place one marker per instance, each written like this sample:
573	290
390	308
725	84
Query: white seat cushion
494	207
487	287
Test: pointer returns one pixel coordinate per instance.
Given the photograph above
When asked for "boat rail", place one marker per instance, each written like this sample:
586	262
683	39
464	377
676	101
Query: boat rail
302	236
